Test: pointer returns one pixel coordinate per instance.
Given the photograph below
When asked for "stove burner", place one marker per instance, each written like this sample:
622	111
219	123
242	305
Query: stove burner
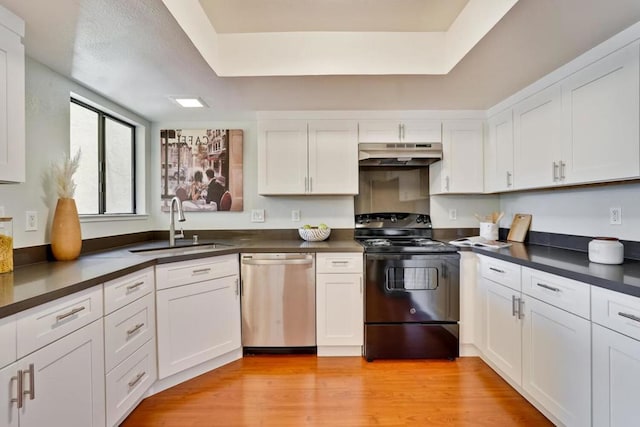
378	242
425	242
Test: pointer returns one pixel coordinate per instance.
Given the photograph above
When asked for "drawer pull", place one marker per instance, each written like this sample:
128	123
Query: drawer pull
497	270
135	329
32	383
339	262
70	313
520	308
134	286
19	399
551	288
629	316
201	270
514	306
137	379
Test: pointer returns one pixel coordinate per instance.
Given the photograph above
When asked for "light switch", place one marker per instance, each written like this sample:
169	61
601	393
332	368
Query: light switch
257	215
295	215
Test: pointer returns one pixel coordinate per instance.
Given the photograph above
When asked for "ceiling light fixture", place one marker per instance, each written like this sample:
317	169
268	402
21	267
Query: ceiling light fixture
189	102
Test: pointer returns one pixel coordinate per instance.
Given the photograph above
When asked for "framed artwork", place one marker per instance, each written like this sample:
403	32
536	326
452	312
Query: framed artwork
203	168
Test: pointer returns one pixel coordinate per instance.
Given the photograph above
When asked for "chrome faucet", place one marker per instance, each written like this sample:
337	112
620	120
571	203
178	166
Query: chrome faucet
172	222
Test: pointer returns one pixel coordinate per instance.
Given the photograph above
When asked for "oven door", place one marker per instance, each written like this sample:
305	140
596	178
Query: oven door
412	288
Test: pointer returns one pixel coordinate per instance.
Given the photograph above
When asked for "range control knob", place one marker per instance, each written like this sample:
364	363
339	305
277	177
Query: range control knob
412	310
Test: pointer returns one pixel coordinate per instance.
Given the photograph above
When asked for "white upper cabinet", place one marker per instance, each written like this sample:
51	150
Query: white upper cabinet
498	153
537	138
600	118
300	157
410	131
12	107
461	169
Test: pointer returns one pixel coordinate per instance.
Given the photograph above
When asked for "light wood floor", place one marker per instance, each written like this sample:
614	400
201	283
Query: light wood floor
309	391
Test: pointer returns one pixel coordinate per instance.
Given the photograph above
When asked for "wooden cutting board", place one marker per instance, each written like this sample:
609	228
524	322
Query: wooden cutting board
519	227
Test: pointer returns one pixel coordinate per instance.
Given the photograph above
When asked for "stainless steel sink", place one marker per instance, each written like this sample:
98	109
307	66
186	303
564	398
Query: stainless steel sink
180	250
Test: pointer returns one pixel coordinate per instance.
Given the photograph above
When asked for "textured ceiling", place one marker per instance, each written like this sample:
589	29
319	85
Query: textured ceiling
134	53
257	16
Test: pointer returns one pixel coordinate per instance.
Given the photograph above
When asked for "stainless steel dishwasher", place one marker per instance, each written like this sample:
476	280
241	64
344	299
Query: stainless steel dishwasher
278	300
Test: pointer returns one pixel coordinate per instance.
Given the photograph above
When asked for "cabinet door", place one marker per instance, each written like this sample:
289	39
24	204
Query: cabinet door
8	391
601	110
196	323
282	157
421	131
67	383
500	144
12	107
339	309
379	131
461	169
556	371
333	157
616	375
502	329
536	131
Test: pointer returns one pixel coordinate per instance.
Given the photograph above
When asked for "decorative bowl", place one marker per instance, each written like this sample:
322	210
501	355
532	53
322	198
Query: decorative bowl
314	234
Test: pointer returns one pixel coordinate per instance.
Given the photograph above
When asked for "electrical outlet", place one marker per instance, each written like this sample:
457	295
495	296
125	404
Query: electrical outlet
615	216
295	215
453	214
31	221
257	215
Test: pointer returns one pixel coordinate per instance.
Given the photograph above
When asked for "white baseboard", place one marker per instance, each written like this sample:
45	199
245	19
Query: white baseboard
338	351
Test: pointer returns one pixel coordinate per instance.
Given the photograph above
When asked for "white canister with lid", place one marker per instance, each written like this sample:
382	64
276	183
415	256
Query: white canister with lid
606	250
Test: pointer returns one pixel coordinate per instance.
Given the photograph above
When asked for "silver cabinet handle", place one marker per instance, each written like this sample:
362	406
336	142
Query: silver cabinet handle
69	313
32	382
555	171
520	308
241	288
137	379
403	136
360	285
400	132
446	183
509	183
563	166
551	288
134	329
237	287
339	262
201	270
134	286
514	305
497	270
19	399
629	316
306	184
310	184
277	261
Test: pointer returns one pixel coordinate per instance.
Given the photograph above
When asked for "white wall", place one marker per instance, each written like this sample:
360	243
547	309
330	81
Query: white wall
581	211
47	138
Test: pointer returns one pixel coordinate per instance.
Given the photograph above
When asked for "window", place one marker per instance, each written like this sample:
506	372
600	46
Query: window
105	180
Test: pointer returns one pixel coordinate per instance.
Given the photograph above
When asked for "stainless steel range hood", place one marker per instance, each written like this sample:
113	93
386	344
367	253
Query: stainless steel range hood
399	154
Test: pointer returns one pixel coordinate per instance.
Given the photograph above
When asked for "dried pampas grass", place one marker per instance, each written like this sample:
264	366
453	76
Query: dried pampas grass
62	174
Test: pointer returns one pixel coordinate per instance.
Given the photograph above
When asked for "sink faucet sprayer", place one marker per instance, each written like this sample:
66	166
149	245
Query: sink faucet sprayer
172	222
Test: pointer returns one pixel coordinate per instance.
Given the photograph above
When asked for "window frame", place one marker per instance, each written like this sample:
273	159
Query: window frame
102	170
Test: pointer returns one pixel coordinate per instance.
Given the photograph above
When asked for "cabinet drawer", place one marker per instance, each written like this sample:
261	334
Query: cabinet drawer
128	382
503	272
183	273
127	329
46	323
567	294
339	263
7	340
120	292
616	311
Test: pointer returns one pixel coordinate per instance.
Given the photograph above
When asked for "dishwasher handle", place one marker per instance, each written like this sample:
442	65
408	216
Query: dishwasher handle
299	261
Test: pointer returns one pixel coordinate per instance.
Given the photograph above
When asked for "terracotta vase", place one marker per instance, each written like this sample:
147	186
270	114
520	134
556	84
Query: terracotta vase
66	238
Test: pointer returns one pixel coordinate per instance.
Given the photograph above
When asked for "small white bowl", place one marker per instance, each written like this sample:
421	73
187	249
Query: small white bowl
314	234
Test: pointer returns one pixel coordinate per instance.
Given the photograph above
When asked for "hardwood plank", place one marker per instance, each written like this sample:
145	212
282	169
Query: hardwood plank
309	391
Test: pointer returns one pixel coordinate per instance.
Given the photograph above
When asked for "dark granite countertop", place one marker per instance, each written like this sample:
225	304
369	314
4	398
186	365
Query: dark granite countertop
575	265
35	284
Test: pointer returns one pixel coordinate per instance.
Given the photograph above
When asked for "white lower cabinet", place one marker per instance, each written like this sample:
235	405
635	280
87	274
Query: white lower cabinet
63	382
128	382
502	329
556	361
339	304
9	392
196	323
616	375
